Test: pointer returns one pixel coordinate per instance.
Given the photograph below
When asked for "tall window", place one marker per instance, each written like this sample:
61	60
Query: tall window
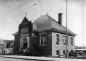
57	37
65	40
42	39
72	41
35	36
64	52
57	52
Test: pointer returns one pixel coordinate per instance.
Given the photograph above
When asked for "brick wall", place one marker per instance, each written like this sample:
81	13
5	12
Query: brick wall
61	46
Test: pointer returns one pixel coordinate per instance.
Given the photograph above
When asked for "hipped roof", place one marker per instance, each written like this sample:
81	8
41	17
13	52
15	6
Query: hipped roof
47	22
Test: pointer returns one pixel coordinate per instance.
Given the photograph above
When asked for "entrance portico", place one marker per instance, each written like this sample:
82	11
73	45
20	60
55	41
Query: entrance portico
24	41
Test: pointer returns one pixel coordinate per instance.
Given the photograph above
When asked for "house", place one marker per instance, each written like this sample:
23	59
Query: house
2	46
8	47
44	37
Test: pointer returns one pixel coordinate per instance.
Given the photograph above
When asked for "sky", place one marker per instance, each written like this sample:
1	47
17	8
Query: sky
12	13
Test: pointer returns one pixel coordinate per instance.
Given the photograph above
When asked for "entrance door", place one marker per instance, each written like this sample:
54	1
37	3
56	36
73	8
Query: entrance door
25	43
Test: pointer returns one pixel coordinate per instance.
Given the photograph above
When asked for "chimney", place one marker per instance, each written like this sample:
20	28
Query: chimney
60	18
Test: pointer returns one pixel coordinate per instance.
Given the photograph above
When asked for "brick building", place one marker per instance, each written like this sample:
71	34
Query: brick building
44	37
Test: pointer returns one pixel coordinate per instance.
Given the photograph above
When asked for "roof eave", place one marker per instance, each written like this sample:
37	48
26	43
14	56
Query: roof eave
54	30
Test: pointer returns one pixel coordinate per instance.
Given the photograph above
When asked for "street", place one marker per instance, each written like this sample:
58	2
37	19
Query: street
22	58
12	59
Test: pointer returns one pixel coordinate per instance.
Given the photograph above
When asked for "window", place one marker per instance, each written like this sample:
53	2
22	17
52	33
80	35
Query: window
35	36
64	52
72	41
57	52
57	42
42	39
65	40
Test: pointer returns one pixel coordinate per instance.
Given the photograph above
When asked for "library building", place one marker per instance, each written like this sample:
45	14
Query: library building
44	36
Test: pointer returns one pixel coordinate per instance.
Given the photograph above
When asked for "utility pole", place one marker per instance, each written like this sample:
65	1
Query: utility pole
66	33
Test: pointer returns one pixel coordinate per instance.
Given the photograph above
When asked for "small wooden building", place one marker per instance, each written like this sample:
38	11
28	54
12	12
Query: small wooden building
44	37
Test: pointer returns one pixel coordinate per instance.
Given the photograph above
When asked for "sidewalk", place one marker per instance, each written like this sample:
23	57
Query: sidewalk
39	58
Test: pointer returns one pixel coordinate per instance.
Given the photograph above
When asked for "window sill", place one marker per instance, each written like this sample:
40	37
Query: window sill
57	45
64	45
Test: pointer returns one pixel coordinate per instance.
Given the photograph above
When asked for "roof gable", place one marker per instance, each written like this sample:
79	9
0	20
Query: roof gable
25	20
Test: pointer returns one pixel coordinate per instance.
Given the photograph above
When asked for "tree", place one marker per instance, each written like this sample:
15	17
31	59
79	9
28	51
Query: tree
9	44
